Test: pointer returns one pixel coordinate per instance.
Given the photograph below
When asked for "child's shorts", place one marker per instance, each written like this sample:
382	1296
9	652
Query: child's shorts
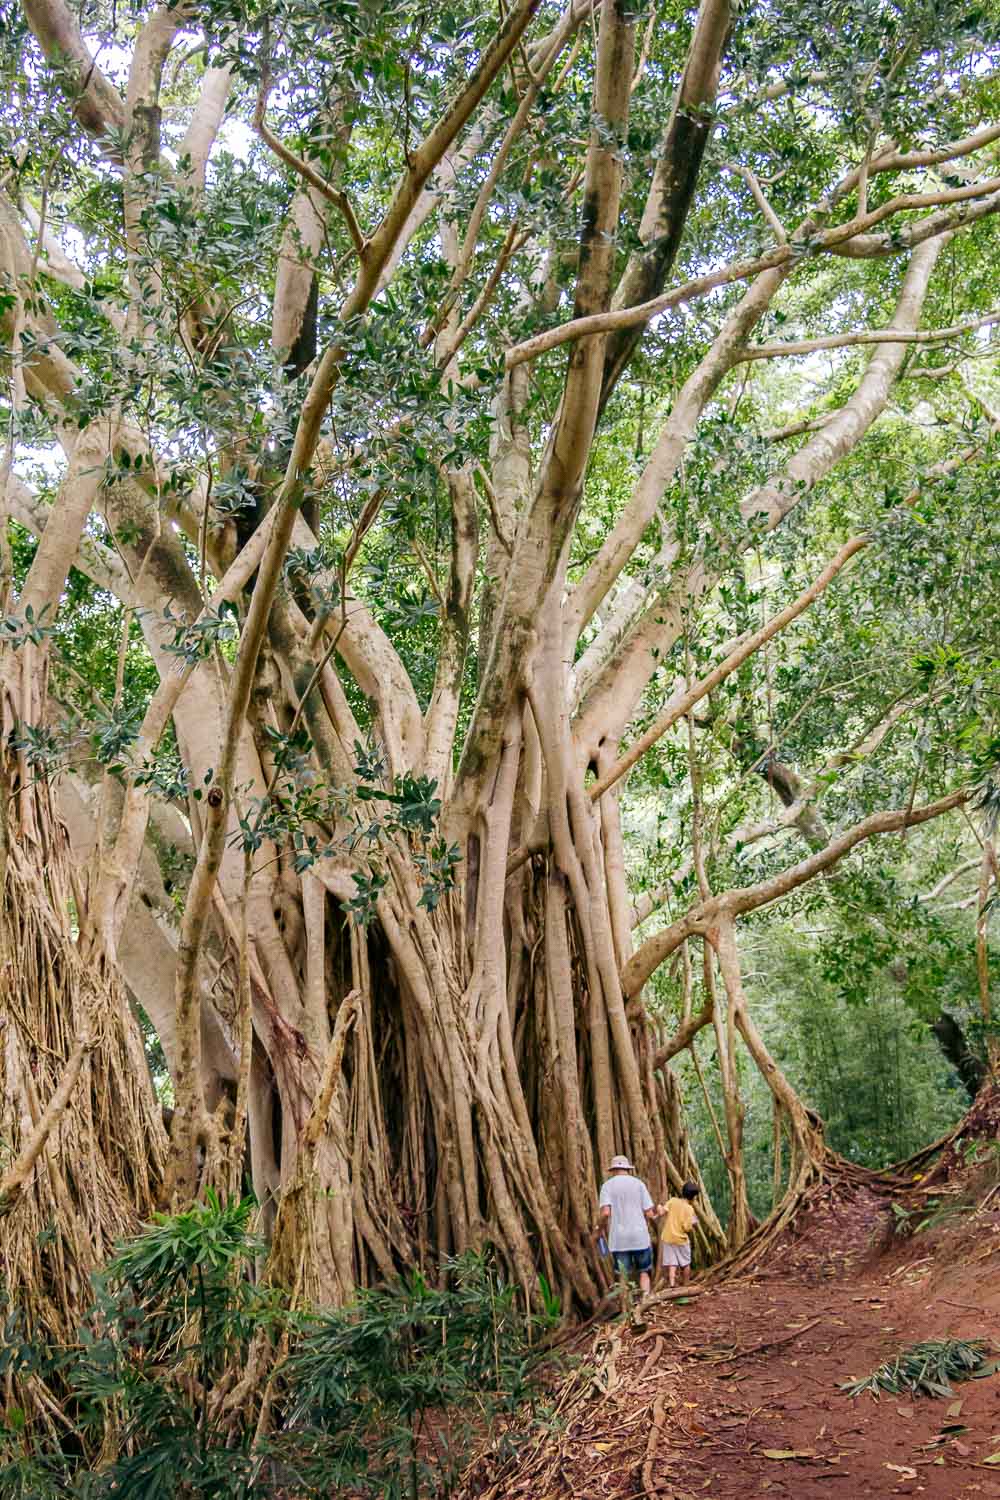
676	1255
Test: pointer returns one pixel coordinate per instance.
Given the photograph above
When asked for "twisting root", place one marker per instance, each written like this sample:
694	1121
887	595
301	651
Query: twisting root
652	1445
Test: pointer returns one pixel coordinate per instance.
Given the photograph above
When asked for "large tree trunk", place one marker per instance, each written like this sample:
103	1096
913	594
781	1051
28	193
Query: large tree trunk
488	1078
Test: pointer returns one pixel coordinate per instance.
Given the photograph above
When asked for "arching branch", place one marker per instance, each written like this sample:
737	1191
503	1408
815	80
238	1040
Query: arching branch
739	901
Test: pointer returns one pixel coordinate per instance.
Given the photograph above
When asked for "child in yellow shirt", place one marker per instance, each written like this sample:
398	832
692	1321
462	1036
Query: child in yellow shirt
678	1221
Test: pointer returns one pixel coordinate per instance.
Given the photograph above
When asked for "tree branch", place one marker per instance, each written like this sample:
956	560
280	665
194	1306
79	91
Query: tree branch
683	704
301	167
699	388
568	23
741	900
96	102
189	1115
758	195
836	239
431	150
203	127
657	625
675	178
946	880
889	159
867	336
549	520
684	1035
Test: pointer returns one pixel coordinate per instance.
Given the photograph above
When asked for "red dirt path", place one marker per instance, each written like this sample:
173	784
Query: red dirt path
688	1407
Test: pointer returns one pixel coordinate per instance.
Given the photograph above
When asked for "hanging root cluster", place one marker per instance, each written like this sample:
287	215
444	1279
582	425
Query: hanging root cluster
82	1145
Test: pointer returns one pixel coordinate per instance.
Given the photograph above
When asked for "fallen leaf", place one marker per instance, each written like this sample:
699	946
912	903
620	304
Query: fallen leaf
902	1469
604	1447
789	1452
955	1409
962	1449
905	1411
994	1458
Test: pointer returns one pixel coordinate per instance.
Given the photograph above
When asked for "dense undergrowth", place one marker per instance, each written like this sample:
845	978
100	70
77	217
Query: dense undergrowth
191	1378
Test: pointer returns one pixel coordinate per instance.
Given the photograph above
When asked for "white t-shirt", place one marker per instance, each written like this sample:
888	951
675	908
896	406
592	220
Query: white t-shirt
628	1198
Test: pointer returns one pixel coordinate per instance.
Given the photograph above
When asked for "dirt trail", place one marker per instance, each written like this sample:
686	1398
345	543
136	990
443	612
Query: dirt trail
735	1393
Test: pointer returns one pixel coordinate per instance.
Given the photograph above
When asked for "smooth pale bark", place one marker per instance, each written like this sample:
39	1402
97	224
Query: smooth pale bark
65	520
96	102
203	129
722	936
868	336
535	563
191	1125
298	257
442	711
734	1111
974	202
682	703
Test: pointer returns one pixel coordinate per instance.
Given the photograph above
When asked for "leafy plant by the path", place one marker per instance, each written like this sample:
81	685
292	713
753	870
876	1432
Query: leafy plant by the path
926	1369
934	1212
193	1382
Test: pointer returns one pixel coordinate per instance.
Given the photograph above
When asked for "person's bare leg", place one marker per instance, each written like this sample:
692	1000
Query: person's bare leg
644	1283
672	1275
685	1275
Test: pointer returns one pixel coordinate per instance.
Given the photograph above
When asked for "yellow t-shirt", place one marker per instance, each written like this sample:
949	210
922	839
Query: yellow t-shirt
677	1222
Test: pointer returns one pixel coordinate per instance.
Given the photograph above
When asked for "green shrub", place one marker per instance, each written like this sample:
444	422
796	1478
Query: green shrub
162	1393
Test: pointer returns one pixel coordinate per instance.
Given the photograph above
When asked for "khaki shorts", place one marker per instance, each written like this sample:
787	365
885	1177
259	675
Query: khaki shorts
676	1255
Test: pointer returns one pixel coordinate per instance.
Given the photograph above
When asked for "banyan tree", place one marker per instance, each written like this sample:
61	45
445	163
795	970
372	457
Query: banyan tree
396	373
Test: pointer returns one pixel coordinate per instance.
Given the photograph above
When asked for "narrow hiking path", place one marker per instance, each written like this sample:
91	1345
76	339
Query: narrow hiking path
736	1392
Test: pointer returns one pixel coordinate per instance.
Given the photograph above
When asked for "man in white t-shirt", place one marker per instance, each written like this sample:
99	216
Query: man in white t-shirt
626	1210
